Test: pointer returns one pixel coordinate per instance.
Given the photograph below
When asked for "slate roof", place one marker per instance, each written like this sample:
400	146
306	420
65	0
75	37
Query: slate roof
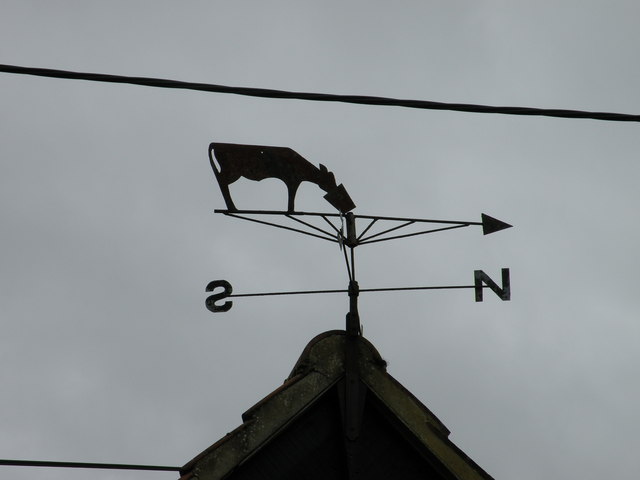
297	431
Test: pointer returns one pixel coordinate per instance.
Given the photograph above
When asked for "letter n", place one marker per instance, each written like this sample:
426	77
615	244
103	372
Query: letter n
480	277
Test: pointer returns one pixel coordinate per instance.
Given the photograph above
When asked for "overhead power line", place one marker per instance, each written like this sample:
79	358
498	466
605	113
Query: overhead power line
103	466
320	97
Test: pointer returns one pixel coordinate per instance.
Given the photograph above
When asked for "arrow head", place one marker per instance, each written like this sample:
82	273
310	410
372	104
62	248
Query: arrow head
491	225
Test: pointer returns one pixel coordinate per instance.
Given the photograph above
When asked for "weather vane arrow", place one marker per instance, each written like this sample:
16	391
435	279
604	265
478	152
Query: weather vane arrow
492	225
231	162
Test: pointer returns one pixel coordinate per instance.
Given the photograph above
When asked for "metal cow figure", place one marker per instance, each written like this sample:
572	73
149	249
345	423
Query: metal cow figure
257	162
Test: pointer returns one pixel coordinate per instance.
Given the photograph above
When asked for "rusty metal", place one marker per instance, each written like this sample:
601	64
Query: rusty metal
340	199
257	162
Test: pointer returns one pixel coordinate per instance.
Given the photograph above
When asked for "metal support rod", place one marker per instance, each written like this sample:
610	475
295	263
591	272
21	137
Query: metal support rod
366	240
346	261
353	318
353	264
324	217
255	220
354	389
367	228
307	224
397	227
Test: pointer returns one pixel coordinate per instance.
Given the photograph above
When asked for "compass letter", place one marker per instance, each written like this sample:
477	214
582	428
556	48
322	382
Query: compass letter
211	300
480	277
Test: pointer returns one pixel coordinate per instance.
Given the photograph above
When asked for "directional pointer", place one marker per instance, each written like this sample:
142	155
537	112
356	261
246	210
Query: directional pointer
491	225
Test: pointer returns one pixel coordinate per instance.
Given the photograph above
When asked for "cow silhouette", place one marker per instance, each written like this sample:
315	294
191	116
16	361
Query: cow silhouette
257	162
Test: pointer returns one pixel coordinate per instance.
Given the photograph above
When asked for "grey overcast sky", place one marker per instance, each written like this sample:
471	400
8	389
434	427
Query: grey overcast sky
108	236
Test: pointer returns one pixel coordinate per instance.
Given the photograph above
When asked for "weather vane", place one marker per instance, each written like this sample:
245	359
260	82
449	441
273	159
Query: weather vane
230	162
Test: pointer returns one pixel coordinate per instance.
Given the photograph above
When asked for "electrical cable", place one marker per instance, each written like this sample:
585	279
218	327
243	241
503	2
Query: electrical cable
320	97
103	466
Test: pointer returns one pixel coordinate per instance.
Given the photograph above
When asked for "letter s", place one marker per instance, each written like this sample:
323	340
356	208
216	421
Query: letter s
211	300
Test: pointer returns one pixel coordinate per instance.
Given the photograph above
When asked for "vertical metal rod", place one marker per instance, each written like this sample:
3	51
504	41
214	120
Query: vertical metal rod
353	264
346	260
352	239
353	318
354	389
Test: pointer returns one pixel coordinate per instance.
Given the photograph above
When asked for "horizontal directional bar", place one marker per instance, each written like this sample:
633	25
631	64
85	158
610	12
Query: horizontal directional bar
103	466
396	289
423	220
311	292
268	294
488	224
274	212
481	281
370	217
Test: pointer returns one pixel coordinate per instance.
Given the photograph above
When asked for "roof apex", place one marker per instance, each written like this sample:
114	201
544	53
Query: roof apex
320	367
